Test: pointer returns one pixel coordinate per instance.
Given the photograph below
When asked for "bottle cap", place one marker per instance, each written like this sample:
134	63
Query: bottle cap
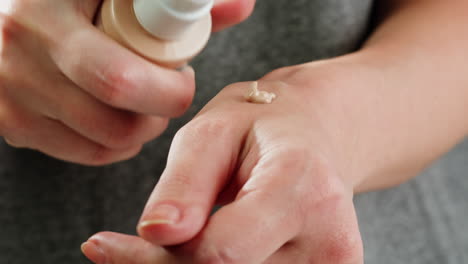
170	19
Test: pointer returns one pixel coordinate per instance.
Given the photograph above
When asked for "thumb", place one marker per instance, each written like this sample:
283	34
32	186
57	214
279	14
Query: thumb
228	13
201	158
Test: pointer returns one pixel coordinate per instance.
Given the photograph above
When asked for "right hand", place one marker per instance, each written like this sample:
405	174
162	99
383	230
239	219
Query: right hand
69	91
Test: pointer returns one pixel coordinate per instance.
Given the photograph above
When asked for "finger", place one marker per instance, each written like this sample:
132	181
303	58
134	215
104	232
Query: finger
200	160
119	77
111	127
108	247
22	129
227	13
61	100
262	219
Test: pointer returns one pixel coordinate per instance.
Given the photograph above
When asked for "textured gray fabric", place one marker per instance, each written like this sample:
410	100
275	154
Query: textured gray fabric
422	221
49	207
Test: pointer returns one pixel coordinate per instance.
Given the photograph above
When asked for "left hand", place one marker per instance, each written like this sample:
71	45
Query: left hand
280	170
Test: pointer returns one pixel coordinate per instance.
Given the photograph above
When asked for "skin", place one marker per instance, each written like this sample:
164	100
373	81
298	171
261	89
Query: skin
59	96
287	171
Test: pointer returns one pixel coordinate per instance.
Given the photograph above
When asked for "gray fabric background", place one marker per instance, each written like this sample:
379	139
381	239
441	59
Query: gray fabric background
48	207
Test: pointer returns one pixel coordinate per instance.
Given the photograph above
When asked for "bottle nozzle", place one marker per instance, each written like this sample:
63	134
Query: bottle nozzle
187	5
169	19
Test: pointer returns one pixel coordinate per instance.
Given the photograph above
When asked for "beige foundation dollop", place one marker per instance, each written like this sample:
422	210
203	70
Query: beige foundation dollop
259	97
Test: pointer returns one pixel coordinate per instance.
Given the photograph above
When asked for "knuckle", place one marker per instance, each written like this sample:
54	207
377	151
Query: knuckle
324	188
209	128
178	181
294	158
9	32
294	162
113	85
6	32
280	73
343	247
318	187
322	199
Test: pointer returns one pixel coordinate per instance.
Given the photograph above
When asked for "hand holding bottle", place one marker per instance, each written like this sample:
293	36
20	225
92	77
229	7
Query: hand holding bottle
68	90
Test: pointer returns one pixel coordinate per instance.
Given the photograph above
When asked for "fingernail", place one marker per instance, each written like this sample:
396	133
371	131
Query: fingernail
164	214
93	252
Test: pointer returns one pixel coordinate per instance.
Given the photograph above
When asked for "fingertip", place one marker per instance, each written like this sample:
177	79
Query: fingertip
93	252
227	13
116	248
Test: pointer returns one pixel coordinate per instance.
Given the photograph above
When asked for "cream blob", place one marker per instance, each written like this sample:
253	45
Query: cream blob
259	97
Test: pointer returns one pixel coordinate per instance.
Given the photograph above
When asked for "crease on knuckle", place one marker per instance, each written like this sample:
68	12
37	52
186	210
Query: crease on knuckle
113	85
178	181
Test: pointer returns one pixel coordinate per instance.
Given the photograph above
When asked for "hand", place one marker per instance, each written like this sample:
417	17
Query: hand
279	169
71	92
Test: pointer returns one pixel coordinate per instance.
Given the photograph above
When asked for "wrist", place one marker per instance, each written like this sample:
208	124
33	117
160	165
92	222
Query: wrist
339	95
402	120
